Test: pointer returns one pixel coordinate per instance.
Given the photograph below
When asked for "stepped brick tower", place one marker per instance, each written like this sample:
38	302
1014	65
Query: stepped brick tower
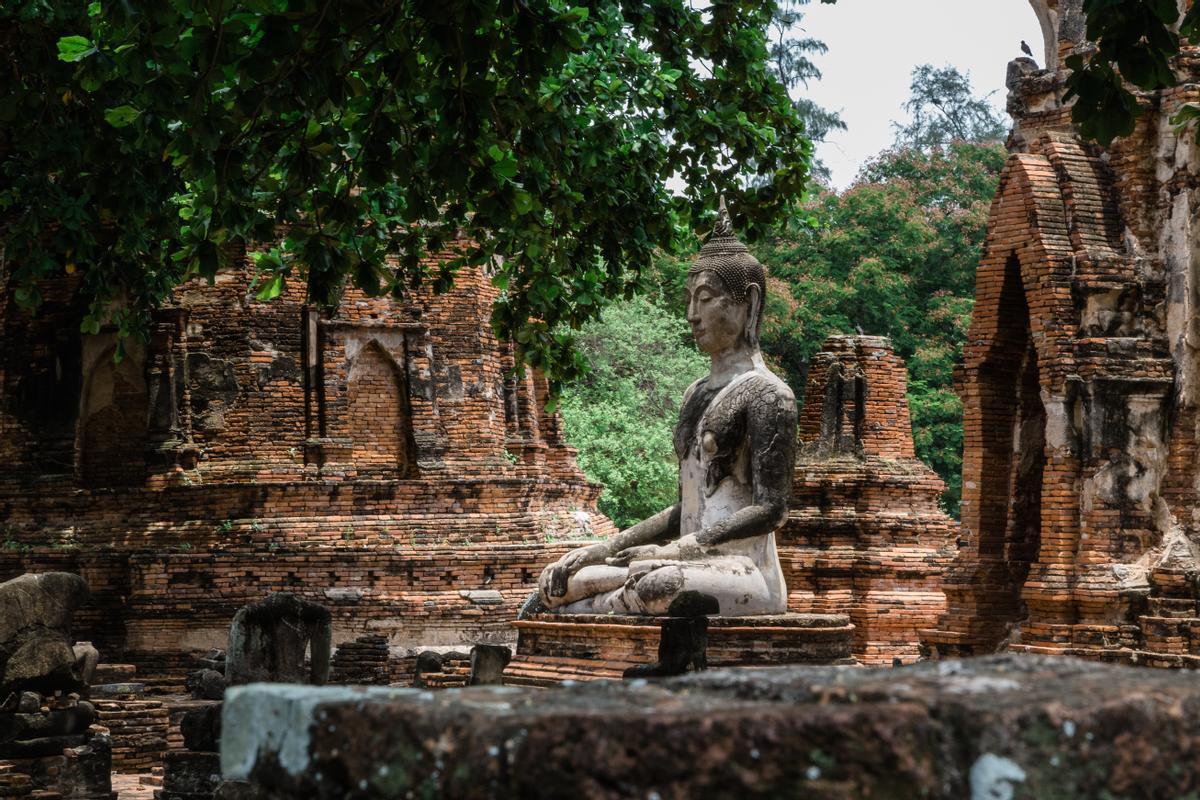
865	536
375	457
1081	505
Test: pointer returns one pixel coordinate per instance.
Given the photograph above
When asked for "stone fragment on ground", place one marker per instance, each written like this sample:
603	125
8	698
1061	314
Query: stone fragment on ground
487	664
1006	726
35	632
268	640
206	684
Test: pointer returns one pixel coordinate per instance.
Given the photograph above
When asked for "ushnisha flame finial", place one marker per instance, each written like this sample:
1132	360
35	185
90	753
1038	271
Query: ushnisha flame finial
723	225
729	258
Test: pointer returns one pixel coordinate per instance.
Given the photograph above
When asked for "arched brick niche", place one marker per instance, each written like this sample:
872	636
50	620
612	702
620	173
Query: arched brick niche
113	417
378	419
1019	343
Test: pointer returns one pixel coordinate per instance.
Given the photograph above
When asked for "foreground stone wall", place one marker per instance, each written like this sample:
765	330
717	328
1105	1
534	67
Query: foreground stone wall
1004	727
1080	497
375	457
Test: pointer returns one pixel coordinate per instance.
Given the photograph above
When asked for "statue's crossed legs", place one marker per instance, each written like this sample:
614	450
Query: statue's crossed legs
648	587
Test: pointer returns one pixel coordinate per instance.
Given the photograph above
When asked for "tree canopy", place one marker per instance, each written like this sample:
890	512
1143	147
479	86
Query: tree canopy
790	61
140	144
943	109
1135	41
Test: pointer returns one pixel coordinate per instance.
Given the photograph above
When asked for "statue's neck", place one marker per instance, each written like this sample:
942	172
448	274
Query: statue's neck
728	364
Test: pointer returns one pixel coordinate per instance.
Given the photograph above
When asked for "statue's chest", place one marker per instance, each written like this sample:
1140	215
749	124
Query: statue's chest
721	445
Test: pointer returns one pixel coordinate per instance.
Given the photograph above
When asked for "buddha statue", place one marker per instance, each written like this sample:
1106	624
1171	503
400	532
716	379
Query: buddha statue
735	442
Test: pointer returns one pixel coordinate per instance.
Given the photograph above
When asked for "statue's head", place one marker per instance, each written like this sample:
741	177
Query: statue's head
726	288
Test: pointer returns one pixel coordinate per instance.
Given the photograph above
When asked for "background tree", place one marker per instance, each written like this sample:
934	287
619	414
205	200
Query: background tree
790	51
141	143
943	109
621	416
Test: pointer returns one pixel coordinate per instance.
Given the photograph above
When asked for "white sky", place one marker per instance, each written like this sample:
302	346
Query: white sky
874	45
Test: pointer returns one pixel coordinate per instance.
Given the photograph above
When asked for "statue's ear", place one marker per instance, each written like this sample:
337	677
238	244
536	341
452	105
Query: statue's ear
754	301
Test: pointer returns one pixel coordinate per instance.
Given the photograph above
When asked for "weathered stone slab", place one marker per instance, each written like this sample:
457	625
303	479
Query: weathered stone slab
268	641
35	632
1010	726
487	664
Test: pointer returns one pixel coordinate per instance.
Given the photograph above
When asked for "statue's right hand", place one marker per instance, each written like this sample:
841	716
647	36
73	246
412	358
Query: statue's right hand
582	557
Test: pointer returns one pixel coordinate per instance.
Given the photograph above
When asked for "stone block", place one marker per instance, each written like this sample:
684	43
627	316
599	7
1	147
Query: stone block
36	612
201	729
1008	726
206	684
487	664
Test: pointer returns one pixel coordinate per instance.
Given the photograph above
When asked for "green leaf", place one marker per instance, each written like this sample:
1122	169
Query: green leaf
74	48
506	168
120	116
271	289
572	17
1186	113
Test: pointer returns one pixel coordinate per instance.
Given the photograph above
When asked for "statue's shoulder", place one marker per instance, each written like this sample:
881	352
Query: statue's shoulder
691	390
759	396
763	382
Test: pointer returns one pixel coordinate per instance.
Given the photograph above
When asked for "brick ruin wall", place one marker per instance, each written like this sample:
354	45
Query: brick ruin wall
1080	507
378	459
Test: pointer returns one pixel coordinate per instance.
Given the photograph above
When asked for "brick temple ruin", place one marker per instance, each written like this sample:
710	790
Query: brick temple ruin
1081	505
377	458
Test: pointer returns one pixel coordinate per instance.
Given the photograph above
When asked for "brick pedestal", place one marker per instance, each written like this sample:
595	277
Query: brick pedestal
552	648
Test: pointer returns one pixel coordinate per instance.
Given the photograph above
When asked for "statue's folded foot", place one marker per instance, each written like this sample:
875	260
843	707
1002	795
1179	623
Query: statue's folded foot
532	605
683	641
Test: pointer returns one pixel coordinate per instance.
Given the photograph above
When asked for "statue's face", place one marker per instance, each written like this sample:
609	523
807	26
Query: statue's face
718	322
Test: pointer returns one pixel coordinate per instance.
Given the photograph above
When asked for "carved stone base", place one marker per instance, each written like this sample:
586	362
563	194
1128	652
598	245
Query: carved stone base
552	648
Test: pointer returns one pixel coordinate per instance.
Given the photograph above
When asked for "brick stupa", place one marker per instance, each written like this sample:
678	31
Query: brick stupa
865	535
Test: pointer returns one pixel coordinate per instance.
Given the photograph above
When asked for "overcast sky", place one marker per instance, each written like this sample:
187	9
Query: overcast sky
874	45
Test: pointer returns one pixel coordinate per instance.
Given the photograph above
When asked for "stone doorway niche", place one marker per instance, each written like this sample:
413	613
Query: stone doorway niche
379	415
112	418
1014	451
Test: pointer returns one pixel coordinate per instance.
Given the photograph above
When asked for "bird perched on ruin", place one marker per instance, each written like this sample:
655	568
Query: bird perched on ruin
1025	49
